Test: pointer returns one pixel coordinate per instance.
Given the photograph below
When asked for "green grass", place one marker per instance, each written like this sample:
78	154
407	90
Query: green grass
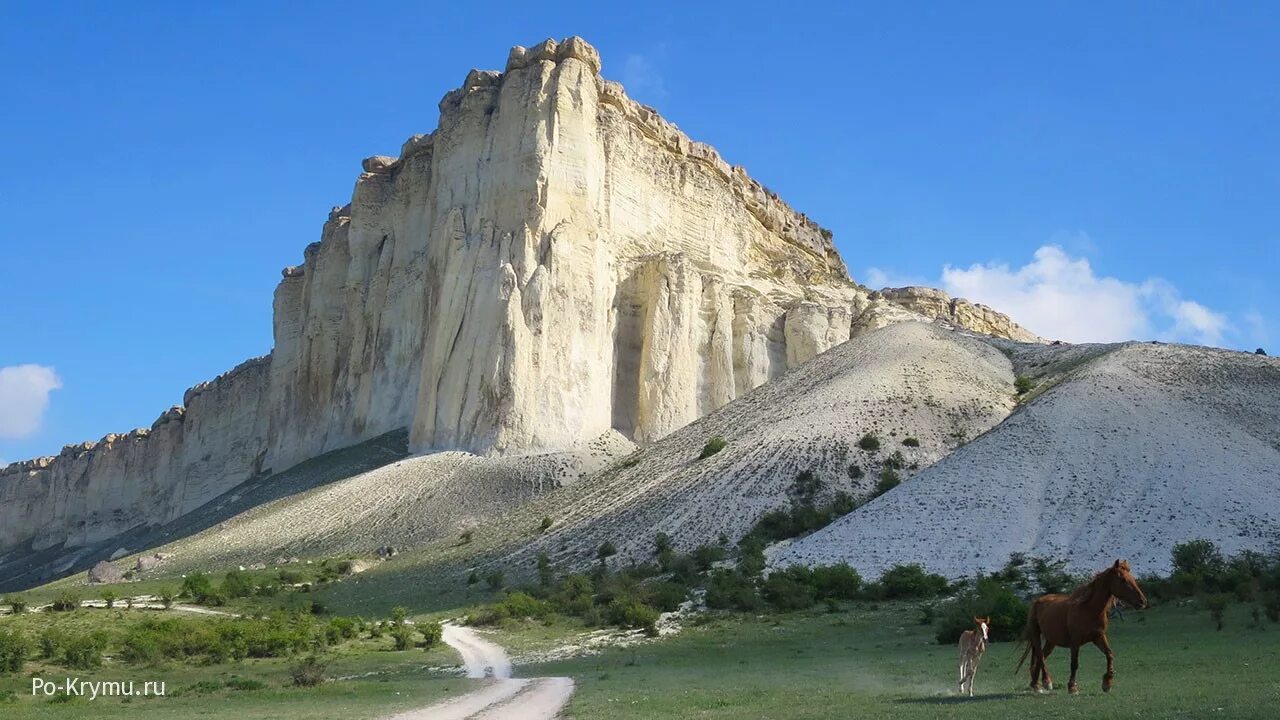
371	680
872	663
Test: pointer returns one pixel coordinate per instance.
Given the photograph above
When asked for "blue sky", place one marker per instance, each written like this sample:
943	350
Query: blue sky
1094	172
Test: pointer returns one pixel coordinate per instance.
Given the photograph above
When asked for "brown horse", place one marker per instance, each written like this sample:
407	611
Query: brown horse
1075	619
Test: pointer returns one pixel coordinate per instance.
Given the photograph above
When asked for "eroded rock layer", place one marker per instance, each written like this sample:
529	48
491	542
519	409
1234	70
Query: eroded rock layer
554	262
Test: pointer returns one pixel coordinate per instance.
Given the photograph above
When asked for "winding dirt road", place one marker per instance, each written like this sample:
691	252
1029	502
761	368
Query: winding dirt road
505	697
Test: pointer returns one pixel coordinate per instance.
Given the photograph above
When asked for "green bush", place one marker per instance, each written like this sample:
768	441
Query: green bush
17	604
713	446
518	605
84	652
790	589
166	597
910	581
110	596
237	584
1022	384
606	550
989	598
66	601
911	442
889	479
290	577
14	649
341	628
629	612
836	582
545	525
197	586
705	556
869	442
855	472
432	633
308	673
494	580
731	590
402	636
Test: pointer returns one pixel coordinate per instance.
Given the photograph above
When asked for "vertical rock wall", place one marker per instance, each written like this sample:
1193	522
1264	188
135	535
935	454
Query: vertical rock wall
554	261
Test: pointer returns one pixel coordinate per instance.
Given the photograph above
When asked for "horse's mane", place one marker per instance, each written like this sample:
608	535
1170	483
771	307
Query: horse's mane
1084	593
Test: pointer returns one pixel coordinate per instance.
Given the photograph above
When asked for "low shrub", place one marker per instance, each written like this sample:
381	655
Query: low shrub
545	525
790	589
237	584
989	598
402	637
1023	384
17	604
869	443
308	673
713	446
432	633
855	472
65	602
910	581
196	586
14	649
629	612
889	479
911	442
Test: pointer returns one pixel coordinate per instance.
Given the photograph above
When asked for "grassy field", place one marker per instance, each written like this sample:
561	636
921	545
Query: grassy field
864	660
872	663
370	680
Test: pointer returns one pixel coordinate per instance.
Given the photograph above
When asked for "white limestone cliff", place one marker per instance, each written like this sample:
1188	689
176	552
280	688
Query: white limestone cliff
553	262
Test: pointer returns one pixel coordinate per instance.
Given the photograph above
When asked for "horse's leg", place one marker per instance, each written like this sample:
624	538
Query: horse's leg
1110	675
964	672
1045	677
1075	665
1036	662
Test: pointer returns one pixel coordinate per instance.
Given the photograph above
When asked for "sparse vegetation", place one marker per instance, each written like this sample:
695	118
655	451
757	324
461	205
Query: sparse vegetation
855	472
713	446
869	443
606	551
17	604
545	525
309	673
911	442
1023	384
889	479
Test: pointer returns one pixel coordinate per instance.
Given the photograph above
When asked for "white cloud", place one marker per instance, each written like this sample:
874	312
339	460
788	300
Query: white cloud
1060	297
642	79
24	396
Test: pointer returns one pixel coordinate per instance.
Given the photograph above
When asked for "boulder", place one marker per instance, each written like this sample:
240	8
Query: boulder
105	572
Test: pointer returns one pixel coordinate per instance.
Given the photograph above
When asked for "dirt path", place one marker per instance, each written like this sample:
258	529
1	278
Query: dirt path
504	697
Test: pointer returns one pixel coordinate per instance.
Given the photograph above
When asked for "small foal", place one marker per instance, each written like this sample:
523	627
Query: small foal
973	643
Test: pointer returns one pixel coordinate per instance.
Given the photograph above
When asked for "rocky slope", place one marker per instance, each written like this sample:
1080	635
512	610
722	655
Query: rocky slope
1137	448
553	263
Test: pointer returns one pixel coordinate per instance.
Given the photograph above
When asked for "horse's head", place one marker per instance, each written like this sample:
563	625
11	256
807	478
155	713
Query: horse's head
1125	586
981	625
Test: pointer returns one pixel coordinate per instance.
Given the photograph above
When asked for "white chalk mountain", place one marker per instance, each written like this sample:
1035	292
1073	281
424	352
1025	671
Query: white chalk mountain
553	266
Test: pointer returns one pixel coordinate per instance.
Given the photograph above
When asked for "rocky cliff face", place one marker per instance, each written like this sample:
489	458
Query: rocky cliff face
553	262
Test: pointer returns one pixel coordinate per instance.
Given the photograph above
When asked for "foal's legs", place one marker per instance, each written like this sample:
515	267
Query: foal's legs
1110	675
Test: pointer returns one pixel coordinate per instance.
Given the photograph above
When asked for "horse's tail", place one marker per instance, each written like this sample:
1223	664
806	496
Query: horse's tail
1030	634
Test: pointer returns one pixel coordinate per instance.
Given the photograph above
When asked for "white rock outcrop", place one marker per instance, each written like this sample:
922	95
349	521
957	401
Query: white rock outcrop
554	262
